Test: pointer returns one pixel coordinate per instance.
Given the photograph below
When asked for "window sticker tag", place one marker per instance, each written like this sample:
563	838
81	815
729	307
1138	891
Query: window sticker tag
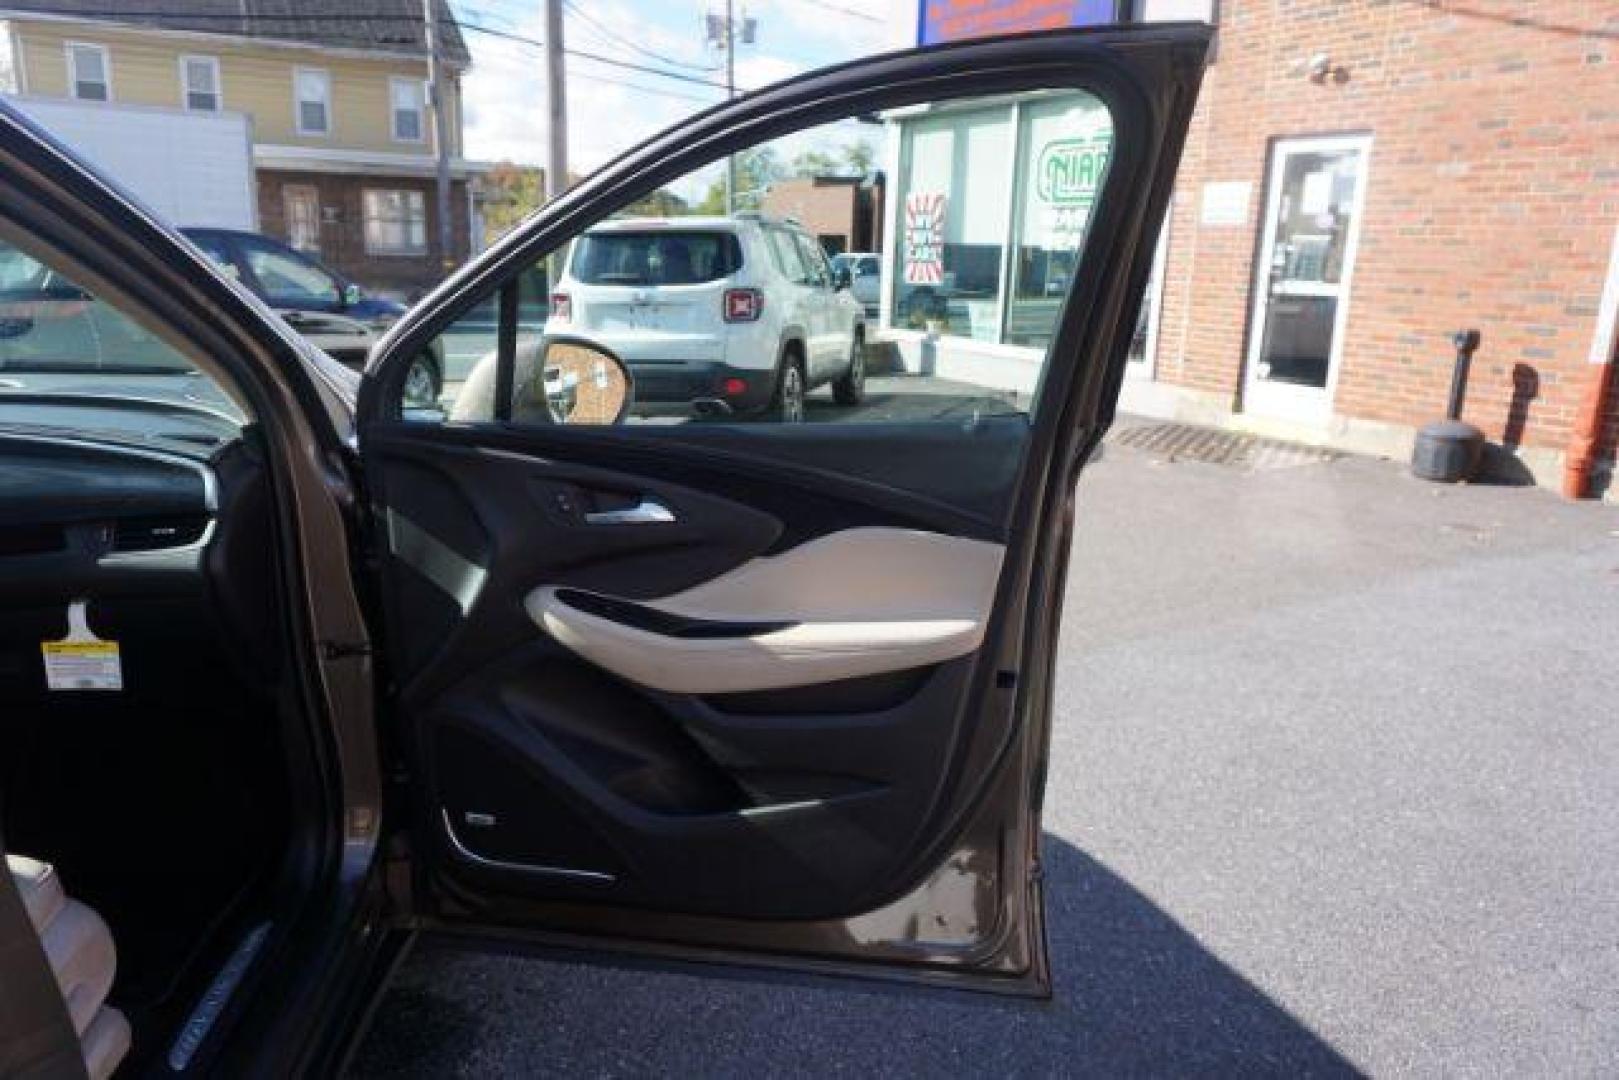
81	661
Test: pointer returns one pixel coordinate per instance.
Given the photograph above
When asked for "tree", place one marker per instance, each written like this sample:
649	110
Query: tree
661	203
756	170
850	159
510	193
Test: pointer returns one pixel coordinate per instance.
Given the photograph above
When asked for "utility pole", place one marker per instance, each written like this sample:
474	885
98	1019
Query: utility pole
441	132
730	92
556	104
723	31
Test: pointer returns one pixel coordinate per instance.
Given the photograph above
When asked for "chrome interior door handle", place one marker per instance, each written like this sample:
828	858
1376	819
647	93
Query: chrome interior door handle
646	512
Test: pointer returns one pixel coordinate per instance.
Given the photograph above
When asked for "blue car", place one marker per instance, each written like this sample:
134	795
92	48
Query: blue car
330	311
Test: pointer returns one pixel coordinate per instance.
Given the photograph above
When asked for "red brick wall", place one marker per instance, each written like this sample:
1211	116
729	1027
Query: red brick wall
1493	192
343	239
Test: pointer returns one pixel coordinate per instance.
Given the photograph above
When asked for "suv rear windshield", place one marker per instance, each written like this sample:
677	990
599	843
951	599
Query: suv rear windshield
655	257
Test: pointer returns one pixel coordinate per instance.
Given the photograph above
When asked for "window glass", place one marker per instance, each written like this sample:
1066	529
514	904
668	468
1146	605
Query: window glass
395	221
201	83
786	255
408	98
654	257
215	248
692	286
314	90
89	74
953	199
288	280
814	260
1063	150
59	344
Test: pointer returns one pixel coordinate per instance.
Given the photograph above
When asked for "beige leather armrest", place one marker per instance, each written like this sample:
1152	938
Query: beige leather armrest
862	602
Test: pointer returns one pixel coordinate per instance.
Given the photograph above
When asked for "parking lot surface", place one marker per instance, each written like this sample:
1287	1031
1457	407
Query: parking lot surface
1334	788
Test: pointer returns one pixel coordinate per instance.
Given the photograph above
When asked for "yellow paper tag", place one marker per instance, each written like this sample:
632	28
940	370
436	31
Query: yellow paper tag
81	661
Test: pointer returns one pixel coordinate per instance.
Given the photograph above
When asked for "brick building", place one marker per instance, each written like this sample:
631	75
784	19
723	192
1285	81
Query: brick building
844	212
1361	179
343	139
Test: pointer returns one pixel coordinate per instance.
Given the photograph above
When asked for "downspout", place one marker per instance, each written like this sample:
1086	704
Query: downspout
1594	403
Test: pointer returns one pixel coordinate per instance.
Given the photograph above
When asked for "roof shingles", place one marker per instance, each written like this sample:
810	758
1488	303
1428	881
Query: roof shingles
381	25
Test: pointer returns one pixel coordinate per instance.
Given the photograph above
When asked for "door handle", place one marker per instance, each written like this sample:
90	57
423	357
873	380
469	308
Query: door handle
646	512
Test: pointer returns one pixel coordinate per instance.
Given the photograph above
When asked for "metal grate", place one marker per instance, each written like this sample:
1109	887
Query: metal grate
1184	442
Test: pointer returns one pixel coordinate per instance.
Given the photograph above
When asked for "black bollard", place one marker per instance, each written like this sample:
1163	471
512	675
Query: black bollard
1450	450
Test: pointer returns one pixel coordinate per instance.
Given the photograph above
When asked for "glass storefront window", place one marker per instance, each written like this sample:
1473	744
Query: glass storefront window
952	223
1063	149
962	205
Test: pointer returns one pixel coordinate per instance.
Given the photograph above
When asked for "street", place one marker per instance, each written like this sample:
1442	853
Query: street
1335	788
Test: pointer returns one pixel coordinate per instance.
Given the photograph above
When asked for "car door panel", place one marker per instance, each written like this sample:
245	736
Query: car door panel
668	779
788	700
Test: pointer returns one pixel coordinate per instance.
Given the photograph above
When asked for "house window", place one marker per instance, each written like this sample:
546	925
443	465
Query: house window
395	222
199	83
314	92
90	71
409	97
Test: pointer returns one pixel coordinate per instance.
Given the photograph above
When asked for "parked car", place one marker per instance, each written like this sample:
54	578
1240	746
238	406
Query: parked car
290	678
325	307
723	314
864	269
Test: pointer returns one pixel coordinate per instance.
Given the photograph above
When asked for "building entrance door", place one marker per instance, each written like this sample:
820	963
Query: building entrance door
1316	192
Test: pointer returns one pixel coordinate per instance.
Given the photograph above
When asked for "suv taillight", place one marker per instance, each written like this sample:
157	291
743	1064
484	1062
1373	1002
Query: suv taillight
743	305
561	306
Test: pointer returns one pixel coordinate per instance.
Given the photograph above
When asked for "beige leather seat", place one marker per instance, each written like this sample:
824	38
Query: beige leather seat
79	947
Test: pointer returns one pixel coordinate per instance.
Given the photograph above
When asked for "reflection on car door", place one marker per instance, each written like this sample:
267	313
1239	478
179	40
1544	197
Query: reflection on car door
773	693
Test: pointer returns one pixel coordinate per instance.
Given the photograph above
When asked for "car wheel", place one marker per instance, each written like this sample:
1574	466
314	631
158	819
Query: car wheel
850	389
421	383
788	406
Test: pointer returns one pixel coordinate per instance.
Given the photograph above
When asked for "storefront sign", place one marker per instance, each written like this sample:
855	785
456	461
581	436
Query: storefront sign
954	20
1069	171
924	238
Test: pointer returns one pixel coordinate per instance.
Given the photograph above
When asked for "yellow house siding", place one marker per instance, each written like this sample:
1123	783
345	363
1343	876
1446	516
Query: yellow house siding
145	70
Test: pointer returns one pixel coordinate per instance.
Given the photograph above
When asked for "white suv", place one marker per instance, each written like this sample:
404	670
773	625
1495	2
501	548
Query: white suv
720	315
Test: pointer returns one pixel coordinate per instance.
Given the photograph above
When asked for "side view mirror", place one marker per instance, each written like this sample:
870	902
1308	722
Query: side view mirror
352	294
841	278
583	382
556	379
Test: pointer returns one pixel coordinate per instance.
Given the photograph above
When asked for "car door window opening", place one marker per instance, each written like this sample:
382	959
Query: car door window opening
742	317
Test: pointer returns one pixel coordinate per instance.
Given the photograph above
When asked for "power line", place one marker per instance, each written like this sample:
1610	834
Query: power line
129	16
840	9
616	37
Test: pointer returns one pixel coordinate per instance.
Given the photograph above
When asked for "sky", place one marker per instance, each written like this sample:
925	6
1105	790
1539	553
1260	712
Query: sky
611	109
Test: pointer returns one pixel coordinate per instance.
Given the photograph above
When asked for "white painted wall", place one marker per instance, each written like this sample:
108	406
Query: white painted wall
190	168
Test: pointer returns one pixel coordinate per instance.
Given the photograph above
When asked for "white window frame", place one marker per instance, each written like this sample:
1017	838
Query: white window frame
400	253
69	48
420	86
185	86
298	74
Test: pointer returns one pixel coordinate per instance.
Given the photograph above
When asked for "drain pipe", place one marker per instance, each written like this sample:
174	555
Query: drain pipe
1594	403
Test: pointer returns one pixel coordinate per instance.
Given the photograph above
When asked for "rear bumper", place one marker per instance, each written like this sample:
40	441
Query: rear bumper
672	386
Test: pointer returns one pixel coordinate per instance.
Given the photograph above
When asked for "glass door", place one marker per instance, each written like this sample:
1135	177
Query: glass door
1312	219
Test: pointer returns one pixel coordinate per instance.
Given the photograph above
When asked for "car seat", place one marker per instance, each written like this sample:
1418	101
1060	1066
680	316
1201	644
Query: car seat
80	949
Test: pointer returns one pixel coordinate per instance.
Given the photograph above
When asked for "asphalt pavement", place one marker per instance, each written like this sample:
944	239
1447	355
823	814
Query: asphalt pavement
1334	789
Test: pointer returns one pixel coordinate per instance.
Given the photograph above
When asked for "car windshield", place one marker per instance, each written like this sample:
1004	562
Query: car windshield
655	257
50	324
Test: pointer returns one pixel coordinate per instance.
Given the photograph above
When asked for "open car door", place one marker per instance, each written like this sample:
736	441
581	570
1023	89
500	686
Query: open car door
705	684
